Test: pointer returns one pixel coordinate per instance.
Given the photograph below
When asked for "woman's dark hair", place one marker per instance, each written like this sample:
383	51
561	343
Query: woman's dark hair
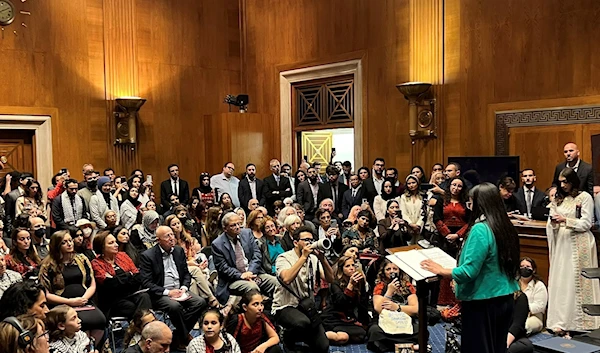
221	200
488	203
17	254
361	168
508	183
213	223
99	240
320	212
388	204
339	277
22	221
142	188
127	248
571	177
413	177
423	178
136	170
19	298
402	277
392	194
135	326
536	276
296	181
38	195
215	312
463	197
364	213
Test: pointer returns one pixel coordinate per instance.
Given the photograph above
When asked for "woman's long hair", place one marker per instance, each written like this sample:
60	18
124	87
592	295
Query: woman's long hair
9	335
402	277
571	177
54	258
296	181
423	178
488	203
31	253
463	197
213	226
185	237
535	277
38	196
127	248
135	326
339	277
392	195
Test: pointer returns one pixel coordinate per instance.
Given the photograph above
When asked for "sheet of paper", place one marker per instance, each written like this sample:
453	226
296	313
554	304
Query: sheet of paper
438	255
410	263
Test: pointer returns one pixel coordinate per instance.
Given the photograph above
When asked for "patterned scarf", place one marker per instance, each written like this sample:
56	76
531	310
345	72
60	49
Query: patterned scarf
146	234
71	213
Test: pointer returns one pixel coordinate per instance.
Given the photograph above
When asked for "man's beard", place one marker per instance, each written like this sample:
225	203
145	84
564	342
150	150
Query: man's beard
251	177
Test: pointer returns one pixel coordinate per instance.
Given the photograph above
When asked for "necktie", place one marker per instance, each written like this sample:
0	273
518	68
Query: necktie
239	257
353	193
334	194
529	200
175	191
277	180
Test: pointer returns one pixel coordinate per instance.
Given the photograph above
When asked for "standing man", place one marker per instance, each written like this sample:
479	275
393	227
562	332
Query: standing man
333	190
276	186
238	260
109	172
286	171
164	271
584	170
174	185
392	173
308	193
353	196
69	207
226	183
84	170
11	200
250	188
373	184
298	269
91	186
528	196
345	173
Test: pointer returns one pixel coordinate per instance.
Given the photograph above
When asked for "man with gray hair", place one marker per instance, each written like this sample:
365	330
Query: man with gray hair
238	260
156	338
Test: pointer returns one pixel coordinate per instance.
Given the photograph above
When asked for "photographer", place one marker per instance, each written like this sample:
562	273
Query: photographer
299	273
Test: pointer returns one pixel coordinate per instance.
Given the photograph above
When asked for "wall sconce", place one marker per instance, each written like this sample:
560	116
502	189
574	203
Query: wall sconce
421	111
125	114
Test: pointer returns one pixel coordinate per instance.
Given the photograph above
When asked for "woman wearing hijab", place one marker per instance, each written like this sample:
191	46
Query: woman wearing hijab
129	208
204	192
103	201
388	192
143	236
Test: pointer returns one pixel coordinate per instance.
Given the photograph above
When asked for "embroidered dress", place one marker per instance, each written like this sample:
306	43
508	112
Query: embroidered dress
571	248
80	343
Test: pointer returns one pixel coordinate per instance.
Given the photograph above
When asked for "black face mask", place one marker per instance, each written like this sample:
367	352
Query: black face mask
525	272
92	184
40	233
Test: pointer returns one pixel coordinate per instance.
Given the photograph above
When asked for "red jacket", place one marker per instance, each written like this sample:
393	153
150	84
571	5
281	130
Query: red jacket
101	267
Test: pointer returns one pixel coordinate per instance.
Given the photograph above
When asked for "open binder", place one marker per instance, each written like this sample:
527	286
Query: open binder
410	261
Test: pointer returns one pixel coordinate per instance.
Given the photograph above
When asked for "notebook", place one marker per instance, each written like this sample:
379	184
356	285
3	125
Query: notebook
561	345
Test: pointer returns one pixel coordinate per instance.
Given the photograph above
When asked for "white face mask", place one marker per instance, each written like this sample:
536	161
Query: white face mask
87	232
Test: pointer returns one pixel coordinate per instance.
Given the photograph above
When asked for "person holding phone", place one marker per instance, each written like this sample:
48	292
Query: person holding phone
392	229
361	235
328	228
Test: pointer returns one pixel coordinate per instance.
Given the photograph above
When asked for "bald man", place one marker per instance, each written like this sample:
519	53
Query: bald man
164	271
584	170
156	338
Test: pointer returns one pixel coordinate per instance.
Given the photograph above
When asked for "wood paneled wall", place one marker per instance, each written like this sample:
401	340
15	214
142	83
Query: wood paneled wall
77	56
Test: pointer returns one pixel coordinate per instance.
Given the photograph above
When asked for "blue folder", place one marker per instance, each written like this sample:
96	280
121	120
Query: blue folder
561	345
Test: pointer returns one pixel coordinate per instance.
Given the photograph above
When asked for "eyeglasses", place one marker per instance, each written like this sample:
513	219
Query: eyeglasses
45	334
231	168
307	240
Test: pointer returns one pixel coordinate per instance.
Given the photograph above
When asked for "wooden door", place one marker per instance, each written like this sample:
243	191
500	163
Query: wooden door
17	147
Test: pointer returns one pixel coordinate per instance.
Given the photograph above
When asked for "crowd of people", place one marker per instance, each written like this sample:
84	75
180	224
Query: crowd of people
245	260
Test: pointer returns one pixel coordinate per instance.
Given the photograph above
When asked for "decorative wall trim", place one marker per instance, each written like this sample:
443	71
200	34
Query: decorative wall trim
286	78
42	126
586	114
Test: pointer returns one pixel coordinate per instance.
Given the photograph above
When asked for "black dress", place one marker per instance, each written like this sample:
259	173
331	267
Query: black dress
346	311
92	319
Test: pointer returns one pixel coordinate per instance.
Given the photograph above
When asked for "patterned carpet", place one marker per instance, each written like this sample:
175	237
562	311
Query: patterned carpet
437	339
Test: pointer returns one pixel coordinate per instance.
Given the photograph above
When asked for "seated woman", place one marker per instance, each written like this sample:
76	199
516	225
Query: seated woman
290	224
225	202
111	219
352	216
143	236
214	338
506	188
285	212
181	211
393	292
64	328
516	340
122	235
24	298
32	202
82	238
117	279
532	286
326	230
254	222
140	319
11	339
270	245
392	229
213	226
346	316
388	192
197	264
129	208
252	328
69	279
361	235
22	257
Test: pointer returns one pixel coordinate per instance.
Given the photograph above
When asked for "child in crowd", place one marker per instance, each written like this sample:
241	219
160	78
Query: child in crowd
212	339
66	336
141	318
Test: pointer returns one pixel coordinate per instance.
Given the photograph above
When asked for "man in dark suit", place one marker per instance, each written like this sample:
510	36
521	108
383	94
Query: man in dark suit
11	200
238	260
276	187
332	189
528	196
584	170
372	185
353	196
164	271
308	192
174	185
250	188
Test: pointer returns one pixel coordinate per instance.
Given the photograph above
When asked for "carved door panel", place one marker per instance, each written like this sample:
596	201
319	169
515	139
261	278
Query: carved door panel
317	147
17	146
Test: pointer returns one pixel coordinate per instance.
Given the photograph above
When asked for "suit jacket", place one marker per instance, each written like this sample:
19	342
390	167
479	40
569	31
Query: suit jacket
348	201
538	199
369	191
58	214
325	193
245	194
304	196
224	259
166	189
9	209
585	172
152	271
274	192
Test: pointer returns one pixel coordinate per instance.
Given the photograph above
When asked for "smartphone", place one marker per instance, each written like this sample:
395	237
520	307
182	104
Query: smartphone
364	200
332	149
306	158
334	223
149	178
63	171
